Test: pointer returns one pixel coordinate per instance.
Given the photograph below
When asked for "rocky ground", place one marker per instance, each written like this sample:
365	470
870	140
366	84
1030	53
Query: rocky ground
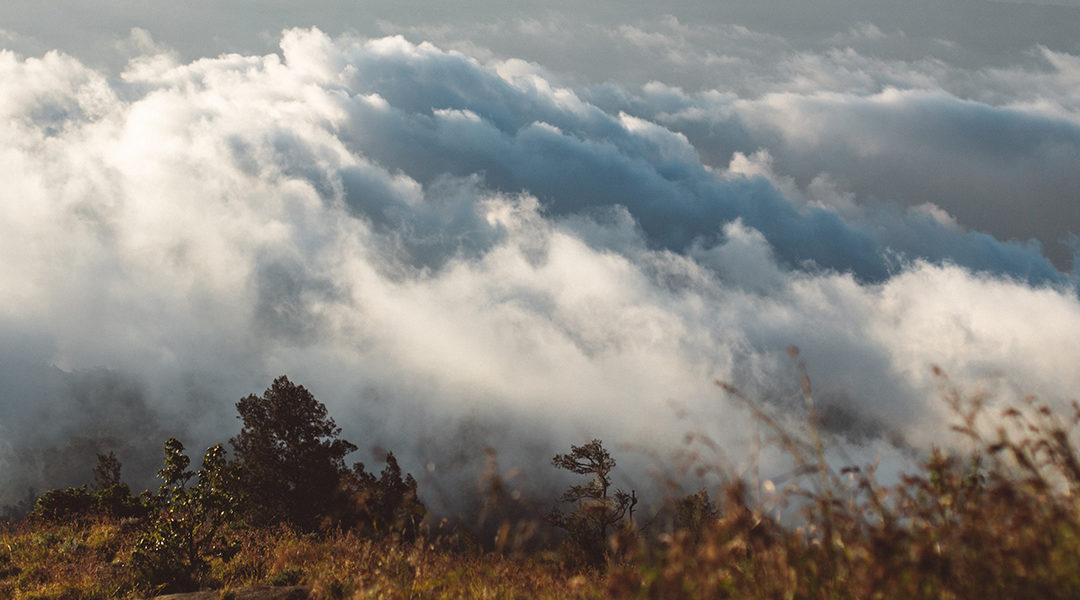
246	593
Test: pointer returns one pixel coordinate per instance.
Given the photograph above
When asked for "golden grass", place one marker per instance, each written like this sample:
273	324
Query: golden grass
81	560
87	561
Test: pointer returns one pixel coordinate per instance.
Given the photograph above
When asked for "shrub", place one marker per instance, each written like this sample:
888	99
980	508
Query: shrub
112	498
387	505
189	511
59	504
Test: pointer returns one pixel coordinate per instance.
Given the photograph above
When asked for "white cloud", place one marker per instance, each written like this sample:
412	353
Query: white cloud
431	244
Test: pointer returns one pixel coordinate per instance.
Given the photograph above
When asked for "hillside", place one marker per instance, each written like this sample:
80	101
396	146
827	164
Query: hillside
999	522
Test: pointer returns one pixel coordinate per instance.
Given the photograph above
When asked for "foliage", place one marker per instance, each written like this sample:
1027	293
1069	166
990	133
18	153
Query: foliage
595	513
289	460
388	504
114	497
65	503
695	513
111	498
190	510
290	468
107	471
118	501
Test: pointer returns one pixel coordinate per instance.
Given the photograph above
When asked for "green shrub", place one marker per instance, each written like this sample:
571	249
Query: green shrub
59	504
190	510
112	498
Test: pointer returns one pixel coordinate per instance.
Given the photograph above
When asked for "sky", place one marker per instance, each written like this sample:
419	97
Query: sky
501	225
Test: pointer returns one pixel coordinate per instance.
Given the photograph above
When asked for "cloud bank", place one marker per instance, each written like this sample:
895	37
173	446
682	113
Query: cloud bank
454	253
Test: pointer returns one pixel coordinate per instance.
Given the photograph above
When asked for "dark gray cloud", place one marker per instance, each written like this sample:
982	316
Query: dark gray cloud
1003	170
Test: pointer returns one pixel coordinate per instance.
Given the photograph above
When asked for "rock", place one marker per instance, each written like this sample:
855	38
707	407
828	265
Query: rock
245	593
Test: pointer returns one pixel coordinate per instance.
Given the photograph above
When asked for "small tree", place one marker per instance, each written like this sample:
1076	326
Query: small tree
107	471
596	513
111	497
290	461
189	511
694	513
387	504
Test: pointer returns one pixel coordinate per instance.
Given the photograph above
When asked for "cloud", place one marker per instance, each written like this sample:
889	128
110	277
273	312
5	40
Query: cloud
904	146
440	247
861	32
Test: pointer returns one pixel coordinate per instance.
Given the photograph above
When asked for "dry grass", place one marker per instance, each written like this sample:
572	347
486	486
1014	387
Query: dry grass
87	561
81	560
999	522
